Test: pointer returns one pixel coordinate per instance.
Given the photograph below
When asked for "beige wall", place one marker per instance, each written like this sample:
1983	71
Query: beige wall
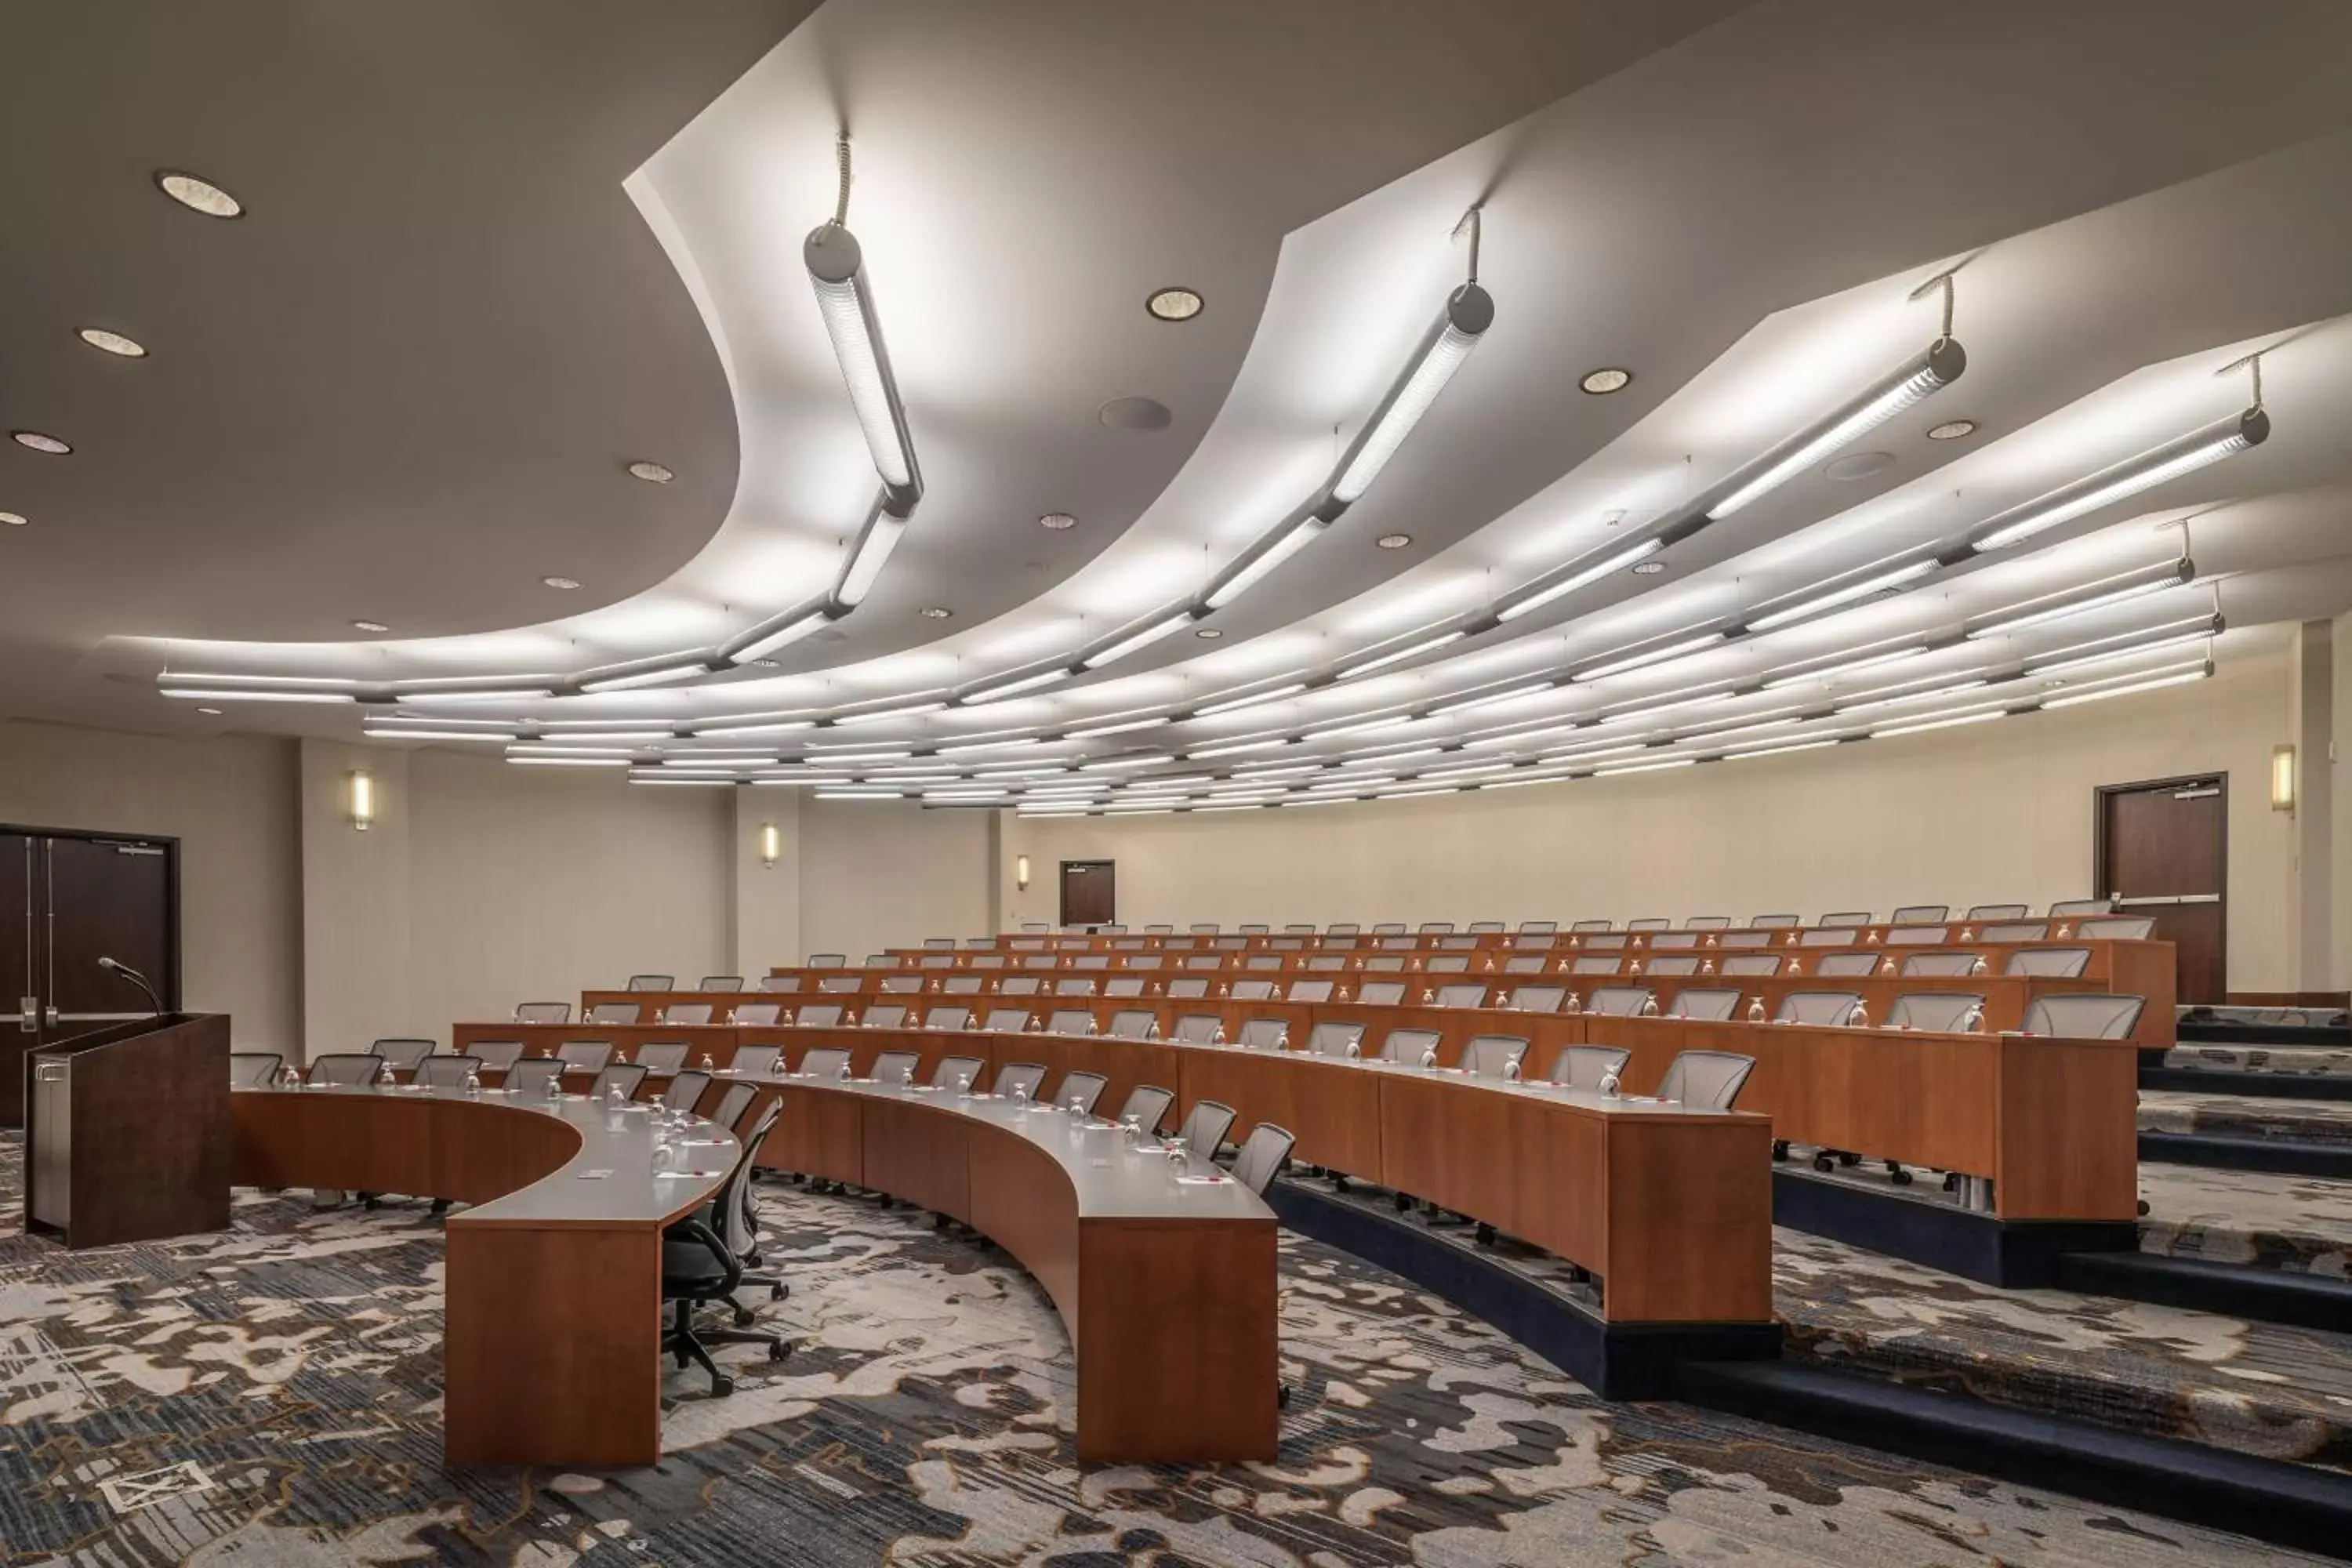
1993	812
231	804
878	873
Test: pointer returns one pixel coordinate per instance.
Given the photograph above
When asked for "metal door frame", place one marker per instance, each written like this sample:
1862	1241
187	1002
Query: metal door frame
169	843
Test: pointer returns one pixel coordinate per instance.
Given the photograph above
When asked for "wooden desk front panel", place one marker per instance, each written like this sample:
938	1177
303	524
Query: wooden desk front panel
1178	1341
465	1151
918	1152
1333	1110
1689	1230
2057	1156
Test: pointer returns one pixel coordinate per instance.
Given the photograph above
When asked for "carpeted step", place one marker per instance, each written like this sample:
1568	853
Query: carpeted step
2262	1389
2225	1115
2288	1223
2237	1055
2232	1289
2232	1151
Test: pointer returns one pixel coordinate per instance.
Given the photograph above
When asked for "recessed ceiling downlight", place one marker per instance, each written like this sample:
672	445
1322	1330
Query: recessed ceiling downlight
1059	522
210	712
112	342
1208	634
1393	541
565	583
1136	413
651	472
199	196
1648	568
935	612
370	626
1177	304
40	442
13	520
1952	431
1607	379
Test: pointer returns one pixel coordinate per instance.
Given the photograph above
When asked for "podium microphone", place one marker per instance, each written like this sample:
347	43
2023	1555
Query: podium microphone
135	978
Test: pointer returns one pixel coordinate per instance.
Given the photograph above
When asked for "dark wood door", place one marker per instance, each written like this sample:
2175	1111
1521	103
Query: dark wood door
2163	849
20	1002
1089	893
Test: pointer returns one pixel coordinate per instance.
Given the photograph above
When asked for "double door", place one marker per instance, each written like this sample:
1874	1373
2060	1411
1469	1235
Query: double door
2163	850
67	900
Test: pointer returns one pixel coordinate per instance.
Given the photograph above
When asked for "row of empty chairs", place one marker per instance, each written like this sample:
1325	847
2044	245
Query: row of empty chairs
1904	915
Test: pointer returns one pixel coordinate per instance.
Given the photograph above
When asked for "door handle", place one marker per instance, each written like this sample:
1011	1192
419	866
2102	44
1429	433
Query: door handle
2166	899
51	1072
52	1011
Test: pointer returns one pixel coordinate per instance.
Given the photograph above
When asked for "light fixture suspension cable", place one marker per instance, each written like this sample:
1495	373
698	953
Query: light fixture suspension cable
841	156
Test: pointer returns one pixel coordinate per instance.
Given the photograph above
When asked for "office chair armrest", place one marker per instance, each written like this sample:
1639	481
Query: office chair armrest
692	1229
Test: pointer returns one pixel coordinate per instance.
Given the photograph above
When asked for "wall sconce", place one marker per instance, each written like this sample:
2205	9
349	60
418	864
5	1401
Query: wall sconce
2283	776
362	800
771	845
1021	872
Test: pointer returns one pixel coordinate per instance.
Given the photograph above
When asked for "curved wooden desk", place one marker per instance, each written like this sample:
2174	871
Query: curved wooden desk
1164	1274
552	1328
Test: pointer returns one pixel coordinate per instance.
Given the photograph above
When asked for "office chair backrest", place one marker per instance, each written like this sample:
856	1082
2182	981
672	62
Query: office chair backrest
1265	1034
720	982
1751	963
402	1055
532	1076
1073	987
1389	963
1845	917
1706	1081
1674	941
1649	923
686	1013
1263	1155
1589	925
1189	987
1745	939
1537	928
1198	1028
624	1076
1085	1087
1262	963
1205	1126
496	1056
1674	965
1229	943
685	1090
1388	928
759	1014
731	1105
1119	986
939	944
2085	1016
780	983
1149	1103
258	1069
1919	914
1208	960
1533	942
732	1204
1145	961
1492	1056
962	985
616	1013
899	985
950	1069
1832	1008
652	982
1298	927
1070	1021
1618	1001
1706	922
1407	1044
1091	960
1202	927
895	1068
2065	908
1996	912
1457	943
1916	936
1594	966
1343	928
2117	928
1846	965
1460	996
936	961
824	1061
2051	963
885	1015
1484	927
1019	985
1158	930
1333	1039
985	960
1708	1003
1448	963
1831	936
1434	928
1255	929
1381	992
827	961
1773	922
1006	1020
661	1057
1134	1024
948	1018
1525	963
446	1072
1308	991
1941	964
839	984
544	1013
1942	1012
756	1061
1253	991
1583	1067
818	1016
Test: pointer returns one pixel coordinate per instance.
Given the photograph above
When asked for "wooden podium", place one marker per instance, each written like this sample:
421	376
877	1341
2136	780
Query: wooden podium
127	1131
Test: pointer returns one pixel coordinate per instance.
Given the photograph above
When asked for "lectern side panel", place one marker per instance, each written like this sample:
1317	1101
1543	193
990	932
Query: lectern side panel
152	1134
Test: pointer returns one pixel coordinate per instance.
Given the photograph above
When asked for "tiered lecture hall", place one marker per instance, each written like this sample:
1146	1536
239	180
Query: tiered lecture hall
1301	784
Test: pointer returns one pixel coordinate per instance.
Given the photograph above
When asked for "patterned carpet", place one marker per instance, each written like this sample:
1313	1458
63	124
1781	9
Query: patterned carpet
268	1396
2302	1224
2246	1116
2228	1058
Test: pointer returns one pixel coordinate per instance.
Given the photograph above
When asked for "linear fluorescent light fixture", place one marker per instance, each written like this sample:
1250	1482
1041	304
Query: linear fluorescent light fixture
474	689
1942	722
997	689
1469	311
1492	698
1838	669
255	694
1816	600
872	548
1004	743
780	631
1584	569
662	669
1654	656
373	733
1142	759
1924	693
1134	640
1270	550
1781	750
1358	727
568	762
2099	650
2118	589
1919	377
882	715
310	682
1410	649
1124	726
2196	672
844	297
756	724
1236	704
2157	466
1616	769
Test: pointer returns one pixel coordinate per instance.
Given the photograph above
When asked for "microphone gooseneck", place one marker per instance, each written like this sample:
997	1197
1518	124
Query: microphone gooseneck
154	1003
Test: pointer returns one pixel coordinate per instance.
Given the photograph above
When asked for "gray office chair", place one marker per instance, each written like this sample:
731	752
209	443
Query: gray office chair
623	1076
1159	930
684	1013
1619	1001
1145	961
1205	1126
2016	931
685	1091
2085	1016
1343	928
818	1016
1751	966
496	1056
1526	963
1073	987
827	961
1147	1103
1070	1021
1996	912
1263	1155
1705	1003
824	1062
962	985
1706	1081
1335	1040
584	1056
1920	914
1253	991
652	982
1583	1067
2117	928
1674	941
542	1013
1326	963
899	986
756	1061
1085	1088
1255	929
1309	991
258	1069
1388	928
2051	963
1673	965
1020	985
885	1015
2066	908
1916	936
1381	992
1846	965
1448	963
1494	1056
1408	1046
1014	1077
1434	928
661	1058
699	1267
1006	1020
936	961
948	1018
1650	923
732	1104
535	1077
1263	963
1831	936
1579	926
1938	1012
1122	987
985	960
839	985
1845	917
1202	927
1459	996
1595	965
1833	1009
616	1013
720	982
1941	964
895	1068
1134	1024
402	1055
951	1068
1387	963
1297	928
445	1071
1774	922
759	1014
346	1069
780	983
1198	1028
1707	922
1265	1034
1745	939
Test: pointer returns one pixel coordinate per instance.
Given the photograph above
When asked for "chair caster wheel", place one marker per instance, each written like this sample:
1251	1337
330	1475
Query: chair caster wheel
779	1352
720	1387
776	1292
1845	1159
884	1204
1485	1236
2143	1205
1902	1178
1338	1184
1779	1148
743	1317
1281	1396
1823	1163
1404	1204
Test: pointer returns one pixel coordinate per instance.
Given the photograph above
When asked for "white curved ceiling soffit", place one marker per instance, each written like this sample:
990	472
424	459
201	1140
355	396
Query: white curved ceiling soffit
1670	218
